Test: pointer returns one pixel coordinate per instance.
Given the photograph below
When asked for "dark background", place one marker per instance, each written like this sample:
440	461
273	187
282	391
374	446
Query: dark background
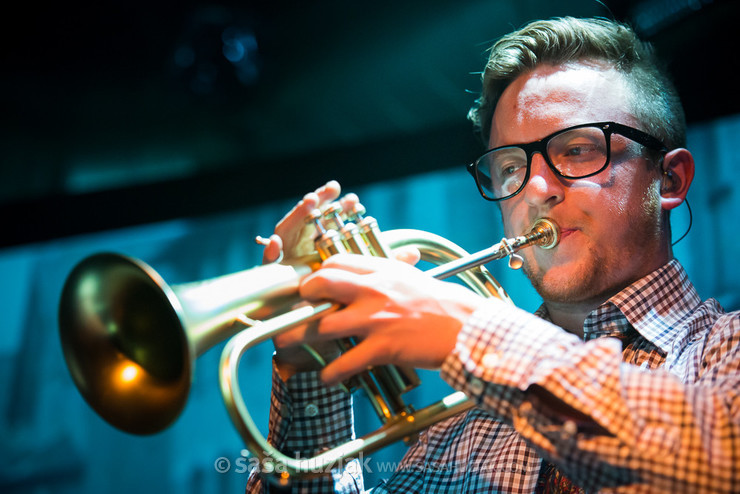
122	113
175	132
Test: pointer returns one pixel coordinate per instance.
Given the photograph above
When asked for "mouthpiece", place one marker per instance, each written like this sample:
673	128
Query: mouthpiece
546	232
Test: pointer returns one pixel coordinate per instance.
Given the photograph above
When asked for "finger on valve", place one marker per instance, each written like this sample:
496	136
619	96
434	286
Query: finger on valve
292	237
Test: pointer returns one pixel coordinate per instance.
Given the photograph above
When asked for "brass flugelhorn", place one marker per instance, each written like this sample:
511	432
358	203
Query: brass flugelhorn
130	340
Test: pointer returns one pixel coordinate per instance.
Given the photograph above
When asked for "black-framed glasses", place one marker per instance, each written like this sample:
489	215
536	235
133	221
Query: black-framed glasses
576	152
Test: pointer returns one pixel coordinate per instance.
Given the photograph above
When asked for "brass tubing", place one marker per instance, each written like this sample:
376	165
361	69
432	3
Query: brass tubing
543	233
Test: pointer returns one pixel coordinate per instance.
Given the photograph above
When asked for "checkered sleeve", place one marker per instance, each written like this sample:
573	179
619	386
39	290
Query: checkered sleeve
609	425
497	355
307	418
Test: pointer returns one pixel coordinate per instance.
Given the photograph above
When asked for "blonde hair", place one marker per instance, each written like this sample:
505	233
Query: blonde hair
654	101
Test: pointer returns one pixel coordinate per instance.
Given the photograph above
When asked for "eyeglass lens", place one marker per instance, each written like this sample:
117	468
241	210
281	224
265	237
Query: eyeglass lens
574	153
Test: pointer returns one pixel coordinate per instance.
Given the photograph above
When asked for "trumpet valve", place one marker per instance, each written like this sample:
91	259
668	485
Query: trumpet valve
327	241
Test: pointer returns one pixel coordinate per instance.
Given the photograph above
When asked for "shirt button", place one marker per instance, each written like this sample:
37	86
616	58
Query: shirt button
570	428
311	410
476	386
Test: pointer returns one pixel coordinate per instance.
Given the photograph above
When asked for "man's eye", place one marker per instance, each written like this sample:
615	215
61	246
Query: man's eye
581	150
509	168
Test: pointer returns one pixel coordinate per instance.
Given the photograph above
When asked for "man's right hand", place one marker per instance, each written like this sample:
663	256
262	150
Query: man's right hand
294	238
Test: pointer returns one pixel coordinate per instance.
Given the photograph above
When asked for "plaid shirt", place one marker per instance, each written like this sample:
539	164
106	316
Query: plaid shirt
649	402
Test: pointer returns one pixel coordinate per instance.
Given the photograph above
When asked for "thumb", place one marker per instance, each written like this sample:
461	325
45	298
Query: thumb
408	254
273	248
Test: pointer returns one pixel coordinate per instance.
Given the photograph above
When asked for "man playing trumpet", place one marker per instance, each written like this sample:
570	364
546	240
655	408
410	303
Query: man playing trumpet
623	380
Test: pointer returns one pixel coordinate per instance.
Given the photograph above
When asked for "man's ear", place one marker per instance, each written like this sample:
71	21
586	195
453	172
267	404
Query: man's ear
678	172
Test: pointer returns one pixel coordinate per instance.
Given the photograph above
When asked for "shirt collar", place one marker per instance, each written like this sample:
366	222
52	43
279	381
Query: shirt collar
653	306
658	303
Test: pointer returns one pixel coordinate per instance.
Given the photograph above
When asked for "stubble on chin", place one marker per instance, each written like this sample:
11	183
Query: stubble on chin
584	282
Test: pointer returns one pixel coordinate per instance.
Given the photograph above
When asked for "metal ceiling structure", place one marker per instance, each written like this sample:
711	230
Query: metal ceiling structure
124	113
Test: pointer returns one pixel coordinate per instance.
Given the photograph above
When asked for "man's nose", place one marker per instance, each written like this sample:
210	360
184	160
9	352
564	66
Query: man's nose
544	188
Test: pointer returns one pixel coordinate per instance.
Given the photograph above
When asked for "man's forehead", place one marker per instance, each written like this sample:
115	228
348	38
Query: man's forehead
559	96
563	82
